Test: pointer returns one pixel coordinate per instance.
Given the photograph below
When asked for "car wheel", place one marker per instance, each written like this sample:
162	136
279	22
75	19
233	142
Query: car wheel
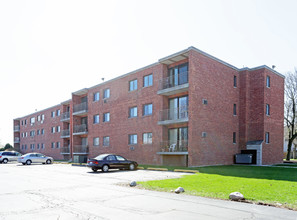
5	160
94	169
131	166
24	163
105	168
48	161
28	162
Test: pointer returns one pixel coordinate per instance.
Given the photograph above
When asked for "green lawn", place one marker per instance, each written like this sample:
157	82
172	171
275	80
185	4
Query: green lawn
258	184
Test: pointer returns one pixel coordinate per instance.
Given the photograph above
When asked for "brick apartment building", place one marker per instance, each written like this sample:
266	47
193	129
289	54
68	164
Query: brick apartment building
188	109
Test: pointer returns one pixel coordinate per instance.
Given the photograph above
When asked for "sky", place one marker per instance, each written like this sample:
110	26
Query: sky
49	49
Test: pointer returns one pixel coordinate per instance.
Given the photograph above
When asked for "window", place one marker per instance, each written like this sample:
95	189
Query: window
53	144
58	112
53	129
133	112
25	121
148	109
42	131
96	141
38	146
147	138
268	81
22	122
53	114
26	134
177	75
267	137
132	139
234	109
234	137
42	146
42	117
148	80
58	128
96	96
267	109
235	82
106	94
96	119
203	134
32	133
58	145
38	117
38	132
204	101
32	120
133	85
106	117
105	141
32	146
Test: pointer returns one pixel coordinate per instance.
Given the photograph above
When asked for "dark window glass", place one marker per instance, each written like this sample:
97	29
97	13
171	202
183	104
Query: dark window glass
234	137
235	81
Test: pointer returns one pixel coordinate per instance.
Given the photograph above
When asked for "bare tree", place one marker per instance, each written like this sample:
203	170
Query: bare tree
291	108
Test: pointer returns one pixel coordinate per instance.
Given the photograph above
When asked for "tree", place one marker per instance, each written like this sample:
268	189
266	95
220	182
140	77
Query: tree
291	108
7	146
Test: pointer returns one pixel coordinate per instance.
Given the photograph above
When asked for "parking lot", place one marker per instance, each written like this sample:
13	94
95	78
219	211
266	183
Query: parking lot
62	191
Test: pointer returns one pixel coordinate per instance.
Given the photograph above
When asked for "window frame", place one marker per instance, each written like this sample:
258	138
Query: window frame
106	93
95	142
146	78
268	82
131	139
96	96
104	141
144	109
132	85
96	119
147	138
104	117
133	116
267	138
267	111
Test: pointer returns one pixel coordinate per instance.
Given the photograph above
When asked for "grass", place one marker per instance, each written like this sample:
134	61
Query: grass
269	185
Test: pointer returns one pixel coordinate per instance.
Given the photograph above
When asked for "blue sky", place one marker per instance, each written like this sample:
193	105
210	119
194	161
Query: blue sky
49	49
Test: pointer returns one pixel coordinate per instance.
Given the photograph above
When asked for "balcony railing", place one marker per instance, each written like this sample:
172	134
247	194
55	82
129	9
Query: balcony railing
80	129
16	128
65	116
65	150
16	140
80	149
80	108
174	146
175	114
173	81
65	133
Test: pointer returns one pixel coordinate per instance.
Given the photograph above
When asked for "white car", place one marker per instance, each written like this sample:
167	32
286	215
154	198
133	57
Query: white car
6	156
35	158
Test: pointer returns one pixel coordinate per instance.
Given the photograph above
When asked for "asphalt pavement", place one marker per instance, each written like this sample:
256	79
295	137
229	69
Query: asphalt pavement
61	191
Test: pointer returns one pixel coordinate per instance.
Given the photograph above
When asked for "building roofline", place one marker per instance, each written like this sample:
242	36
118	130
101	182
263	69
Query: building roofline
213	57
37	112
127	74
263	67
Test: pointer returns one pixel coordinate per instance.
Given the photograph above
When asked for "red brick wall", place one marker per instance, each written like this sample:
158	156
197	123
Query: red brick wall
213	81
47	138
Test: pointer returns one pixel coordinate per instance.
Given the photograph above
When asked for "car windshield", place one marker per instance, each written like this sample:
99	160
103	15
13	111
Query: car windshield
101	156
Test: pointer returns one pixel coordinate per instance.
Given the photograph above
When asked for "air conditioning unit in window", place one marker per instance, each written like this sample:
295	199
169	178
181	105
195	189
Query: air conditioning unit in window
41	122
132	148
105	100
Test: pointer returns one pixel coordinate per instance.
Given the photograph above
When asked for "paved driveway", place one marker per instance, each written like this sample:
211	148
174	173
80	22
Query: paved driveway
65	192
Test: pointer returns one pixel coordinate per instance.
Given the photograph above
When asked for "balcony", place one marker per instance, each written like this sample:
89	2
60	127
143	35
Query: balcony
16	140
65	116
65	133
173	116
174	84
80	109
16	128
178	147
81	149
65	150
80	129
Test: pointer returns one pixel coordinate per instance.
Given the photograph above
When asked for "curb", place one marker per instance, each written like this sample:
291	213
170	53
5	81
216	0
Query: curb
78	165
186	171
157	169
